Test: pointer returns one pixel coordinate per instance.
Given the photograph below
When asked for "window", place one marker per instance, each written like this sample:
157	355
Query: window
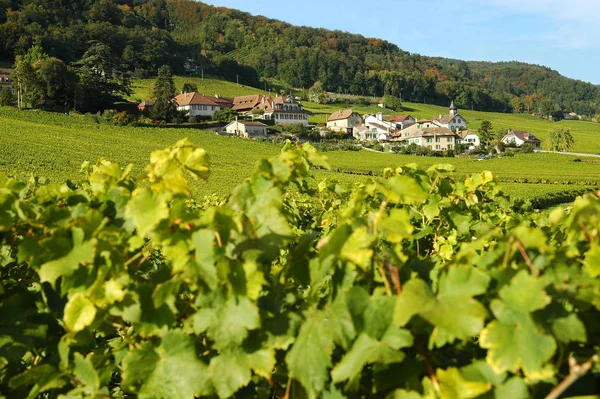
428	140
437	147
437	139
449	146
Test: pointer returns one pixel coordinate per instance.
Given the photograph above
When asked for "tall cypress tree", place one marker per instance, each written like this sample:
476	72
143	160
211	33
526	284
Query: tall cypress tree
163	93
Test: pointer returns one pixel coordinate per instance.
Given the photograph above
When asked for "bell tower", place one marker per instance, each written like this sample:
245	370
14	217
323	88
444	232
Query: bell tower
453	109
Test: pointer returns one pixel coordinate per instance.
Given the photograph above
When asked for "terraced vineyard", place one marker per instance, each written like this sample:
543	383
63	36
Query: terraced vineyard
55	145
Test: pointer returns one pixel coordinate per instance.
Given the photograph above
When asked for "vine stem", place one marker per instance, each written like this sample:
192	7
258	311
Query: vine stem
521	249
428	365
278	390
576	372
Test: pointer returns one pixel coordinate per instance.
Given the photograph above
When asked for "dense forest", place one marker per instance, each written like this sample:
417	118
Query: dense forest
142	35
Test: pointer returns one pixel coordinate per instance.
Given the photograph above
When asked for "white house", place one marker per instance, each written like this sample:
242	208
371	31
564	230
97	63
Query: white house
405	133
452	121
364	133
403	121
519	138
376	124
195	104
283	111
468	137
344	121
247	129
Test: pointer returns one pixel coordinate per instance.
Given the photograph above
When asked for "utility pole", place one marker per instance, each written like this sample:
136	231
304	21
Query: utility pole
237	78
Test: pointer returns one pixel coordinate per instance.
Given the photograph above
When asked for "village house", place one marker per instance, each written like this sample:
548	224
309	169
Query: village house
5	77
376	124
222	102
344	121
403	121
287	111
519	138
195	104
405	133
469	138
245	104
452	121
364	133
435	138
247	129
145	106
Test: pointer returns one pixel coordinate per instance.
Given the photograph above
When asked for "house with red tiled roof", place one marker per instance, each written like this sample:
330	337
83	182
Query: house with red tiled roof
520	137
344	121
403	121
196	104
453	121
5	77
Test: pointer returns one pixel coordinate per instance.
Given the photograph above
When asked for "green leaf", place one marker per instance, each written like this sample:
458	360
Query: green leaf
233	322
310	356
146	210
514	342
369	350
171	371
455	296
592	261
229	373
397	226
402	394
454	386
86	374
525	293
569	329
514	388
82	252
80	312
409	189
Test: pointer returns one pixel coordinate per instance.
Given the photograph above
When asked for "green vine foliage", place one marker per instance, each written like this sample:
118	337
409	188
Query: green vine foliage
417	286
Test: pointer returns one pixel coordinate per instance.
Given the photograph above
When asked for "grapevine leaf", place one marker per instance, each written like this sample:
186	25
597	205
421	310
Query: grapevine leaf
310	356
86	374
513	342
171	371
514	388
233	322
402	394
592	261
409	189
41	378
333	393
82	252
455	297
203	243
367	350
79	313
569	329
397	226
146	210
525	293
229	373
454	386
357	249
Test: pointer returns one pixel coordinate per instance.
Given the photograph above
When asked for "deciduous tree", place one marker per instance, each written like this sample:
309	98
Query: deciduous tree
561	139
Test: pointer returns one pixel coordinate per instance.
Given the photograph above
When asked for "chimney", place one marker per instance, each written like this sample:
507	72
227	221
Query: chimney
440	116
380	116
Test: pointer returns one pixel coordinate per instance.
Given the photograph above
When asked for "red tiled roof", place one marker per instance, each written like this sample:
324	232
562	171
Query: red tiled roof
251	123
340	115
525	136
399	118
193	99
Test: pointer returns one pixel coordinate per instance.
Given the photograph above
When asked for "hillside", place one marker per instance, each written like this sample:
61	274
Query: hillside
81	139
145	34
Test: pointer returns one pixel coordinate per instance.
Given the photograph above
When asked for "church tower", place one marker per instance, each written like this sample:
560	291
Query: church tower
453	109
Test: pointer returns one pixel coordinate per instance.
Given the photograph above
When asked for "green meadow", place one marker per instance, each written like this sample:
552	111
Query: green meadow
55	145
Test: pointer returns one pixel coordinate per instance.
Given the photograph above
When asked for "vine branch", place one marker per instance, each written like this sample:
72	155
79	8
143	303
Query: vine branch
521	249
576	372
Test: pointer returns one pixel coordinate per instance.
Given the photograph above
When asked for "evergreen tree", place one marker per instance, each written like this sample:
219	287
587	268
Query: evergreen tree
101	79
486	132
162	94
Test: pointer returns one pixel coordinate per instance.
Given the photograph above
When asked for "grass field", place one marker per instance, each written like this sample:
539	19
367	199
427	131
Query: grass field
207	86
55	145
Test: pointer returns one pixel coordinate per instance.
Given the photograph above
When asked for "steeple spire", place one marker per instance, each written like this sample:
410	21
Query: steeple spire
453	109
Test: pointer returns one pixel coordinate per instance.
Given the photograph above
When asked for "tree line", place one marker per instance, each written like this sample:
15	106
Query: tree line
143	35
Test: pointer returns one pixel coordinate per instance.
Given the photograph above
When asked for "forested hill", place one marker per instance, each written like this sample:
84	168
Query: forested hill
145	34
